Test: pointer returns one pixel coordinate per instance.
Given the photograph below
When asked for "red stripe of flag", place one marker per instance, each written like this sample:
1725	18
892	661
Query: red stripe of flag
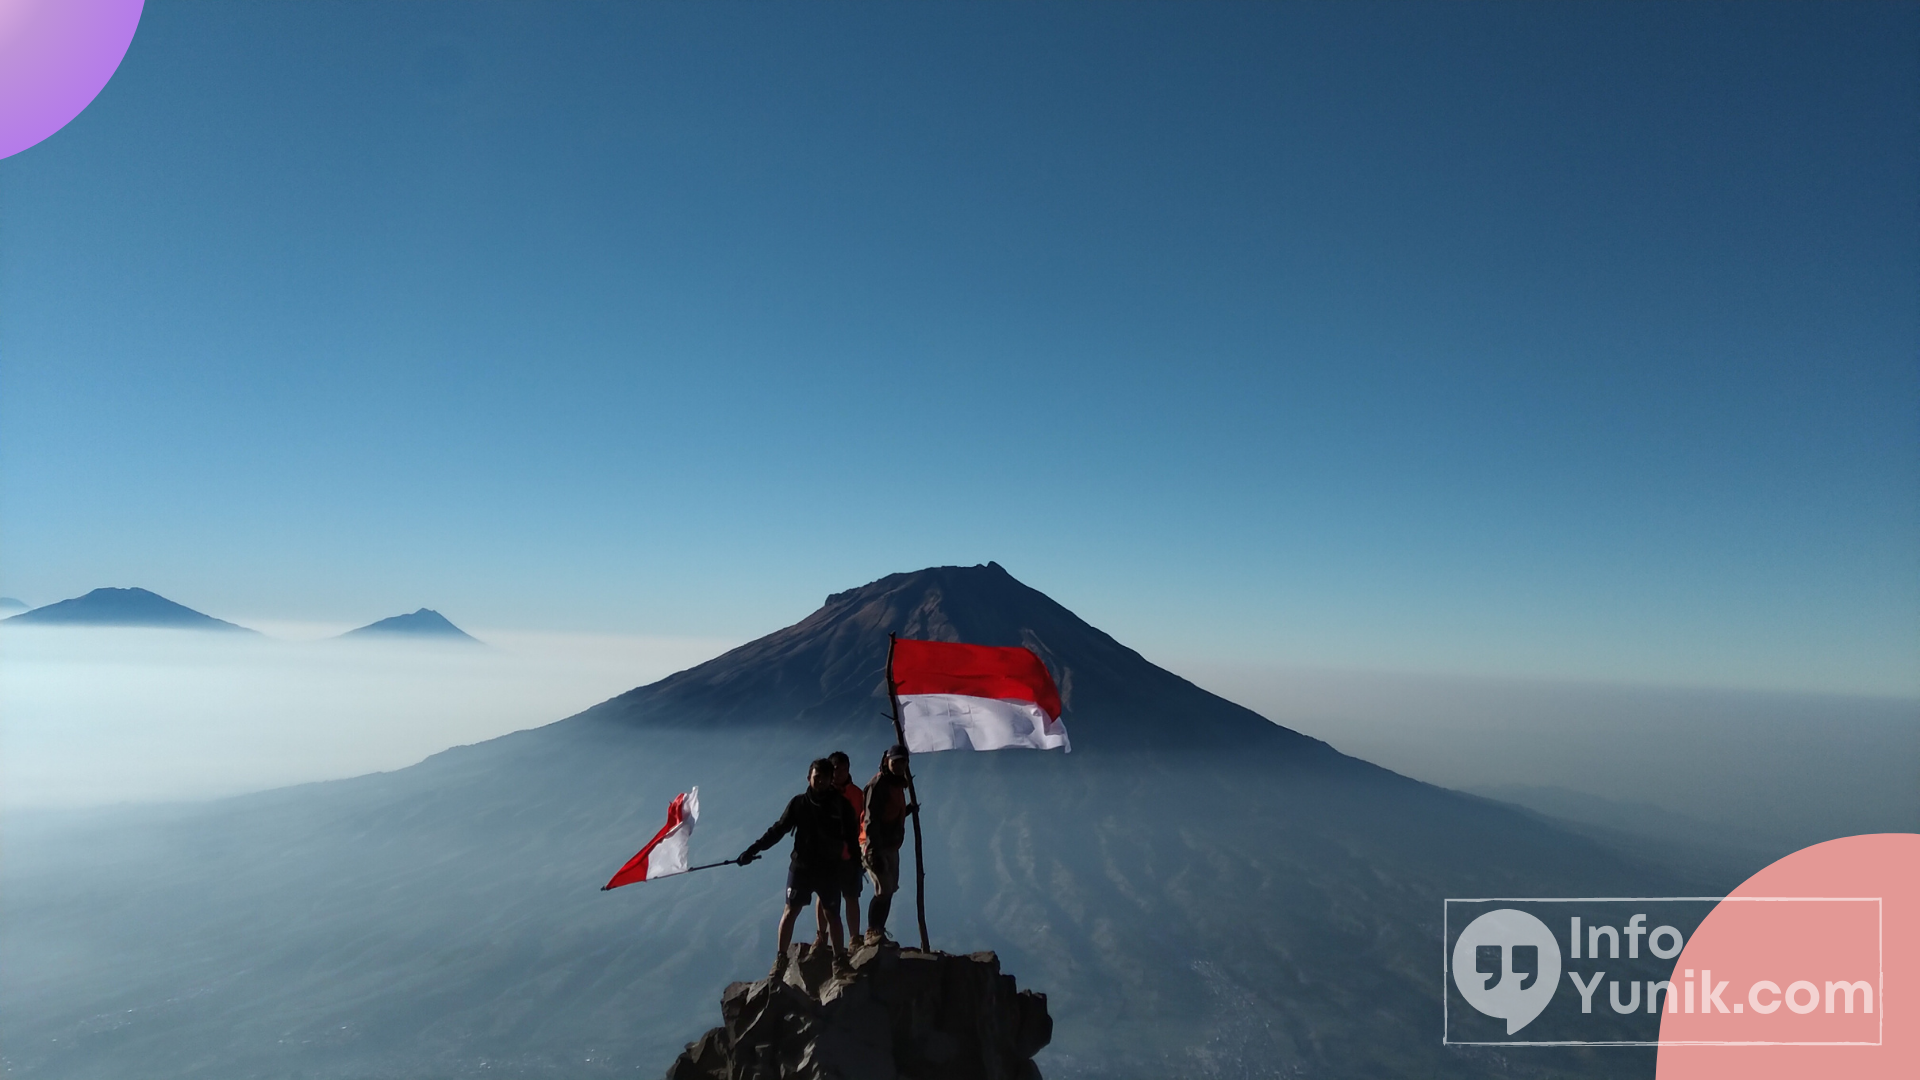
1010	673
636	868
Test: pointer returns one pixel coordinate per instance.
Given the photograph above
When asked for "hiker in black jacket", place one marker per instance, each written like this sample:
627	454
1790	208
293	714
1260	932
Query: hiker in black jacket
824	830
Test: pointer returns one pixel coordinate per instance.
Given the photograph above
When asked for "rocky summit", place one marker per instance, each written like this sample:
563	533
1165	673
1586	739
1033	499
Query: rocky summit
901	1013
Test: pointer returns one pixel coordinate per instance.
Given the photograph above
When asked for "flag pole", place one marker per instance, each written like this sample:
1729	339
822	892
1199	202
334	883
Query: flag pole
688	870
919	861
711	865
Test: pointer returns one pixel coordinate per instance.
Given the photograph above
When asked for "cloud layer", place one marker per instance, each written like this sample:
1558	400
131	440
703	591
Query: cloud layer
93	717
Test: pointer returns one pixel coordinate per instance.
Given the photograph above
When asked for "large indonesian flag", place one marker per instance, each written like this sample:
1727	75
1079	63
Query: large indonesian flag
975	697
667	852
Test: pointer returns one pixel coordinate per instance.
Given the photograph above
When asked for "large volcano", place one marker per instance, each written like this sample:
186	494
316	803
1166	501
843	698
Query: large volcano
826	672
1202	893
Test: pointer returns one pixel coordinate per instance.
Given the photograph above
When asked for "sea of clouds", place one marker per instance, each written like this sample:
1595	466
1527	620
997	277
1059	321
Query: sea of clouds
97	716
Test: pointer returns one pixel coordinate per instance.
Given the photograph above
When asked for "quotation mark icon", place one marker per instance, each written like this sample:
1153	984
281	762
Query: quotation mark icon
1507	966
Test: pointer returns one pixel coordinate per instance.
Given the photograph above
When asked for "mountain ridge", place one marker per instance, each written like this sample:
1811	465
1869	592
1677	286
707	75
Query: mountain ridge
134	607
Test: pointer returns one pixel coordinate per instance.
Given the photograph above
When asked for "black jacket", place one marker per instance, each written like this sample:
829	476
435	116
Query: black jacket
823	827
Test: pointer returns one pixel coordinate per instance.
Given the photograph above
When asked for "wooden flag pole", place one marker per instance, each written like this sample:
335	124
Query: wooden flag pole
913	797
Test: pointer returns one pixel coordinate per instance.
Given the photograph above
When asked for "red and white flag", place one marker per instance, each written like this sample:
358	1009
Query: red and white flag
667	852
975	697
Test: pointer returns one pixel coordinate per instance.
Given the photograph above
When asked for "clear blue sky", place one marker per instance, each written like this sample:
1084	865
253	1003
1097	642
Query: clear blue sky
1560	340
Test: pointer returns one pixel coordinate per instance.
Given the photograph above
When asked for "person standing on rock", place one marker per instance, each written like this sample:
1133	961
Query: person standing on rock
850	873
823	827
883	829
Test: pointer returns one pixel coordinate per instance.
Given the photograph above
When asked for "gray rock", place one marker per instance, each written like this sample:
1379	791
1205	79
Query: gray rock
902	1014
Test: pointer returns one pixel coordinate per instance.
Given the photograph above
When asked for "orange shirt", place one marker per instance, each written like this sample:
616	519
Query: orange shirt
858	800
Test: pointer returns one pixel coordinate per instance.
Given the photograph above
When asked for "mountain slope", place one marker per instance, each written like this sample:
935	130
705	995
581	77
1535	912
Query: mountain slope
1260	906
424	623
123	607
827	671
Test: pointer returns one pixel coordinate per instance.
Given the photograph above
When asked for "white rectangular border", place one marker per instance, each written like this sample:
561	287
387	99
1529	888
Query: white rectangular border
1446	959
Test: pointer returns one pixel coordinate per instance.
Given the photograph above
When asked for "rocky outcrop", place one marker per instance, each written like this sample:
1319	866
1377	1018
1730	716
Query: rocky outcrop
902	1013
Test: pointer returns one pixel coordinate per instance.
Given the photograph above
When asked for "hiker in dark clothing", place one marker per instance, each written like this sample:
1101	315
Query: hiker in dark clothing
823	827
885	829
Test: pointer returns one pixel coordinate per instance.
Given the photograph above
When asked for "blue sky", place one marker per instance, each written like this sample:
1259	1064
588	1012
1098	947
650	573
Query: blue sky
1559	341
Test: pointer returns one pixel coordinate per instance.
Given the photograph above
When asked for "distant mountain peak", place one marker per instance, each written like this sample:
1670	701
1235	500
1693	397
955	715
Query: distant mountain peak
124	607
8	603
424	623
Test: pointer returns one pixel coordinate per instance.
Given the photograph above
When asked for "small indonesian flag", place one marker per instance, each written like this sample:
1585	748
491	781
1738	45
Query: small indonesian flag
666	853
975	697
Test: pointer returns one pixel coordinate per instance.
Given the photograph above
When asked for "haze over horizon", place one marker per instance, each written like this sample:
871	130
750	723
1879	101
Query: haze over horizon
97	716
1555	343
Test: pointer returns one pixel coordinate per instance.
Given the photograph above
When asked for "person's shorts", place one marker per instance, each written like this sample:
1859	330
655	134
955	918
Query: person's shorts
804	885
884	867
851	878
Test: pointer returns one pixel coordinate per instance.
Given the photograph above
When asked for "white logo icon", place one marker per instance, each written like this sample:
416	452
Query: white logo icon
1507	965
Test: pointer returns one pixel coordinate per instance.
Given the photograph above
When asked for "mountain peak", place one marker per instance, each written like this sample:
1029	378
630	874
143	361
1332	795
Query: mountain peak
976	577
124	607
424	623
828	669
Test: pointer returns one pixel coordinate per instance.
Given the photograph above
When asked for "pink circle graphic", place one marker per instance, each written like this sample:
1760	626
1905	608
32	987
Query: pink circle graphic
1810	968
55	56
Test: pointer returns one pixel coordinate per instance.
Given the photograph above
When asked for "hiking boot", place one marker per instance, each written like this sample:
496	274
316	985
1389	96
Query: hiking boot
877	936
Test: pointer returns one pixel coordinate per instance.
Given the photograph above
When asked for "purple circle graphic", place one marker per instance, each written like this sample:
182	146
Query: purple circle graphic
55	56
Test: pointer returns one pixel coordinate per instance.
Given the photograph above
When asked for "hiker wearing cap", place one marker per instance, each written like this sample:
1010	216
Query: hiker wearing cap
823	827
850	871
883	830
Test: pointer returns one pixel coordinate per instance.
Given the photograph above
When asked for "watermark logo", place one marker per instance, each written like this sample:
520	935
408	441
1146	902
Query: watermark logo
1506	964
1664	971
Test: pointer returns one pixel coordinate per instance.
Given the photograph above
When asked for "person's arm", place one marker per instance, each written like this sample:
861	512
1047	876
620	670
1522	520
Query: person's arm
772	836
